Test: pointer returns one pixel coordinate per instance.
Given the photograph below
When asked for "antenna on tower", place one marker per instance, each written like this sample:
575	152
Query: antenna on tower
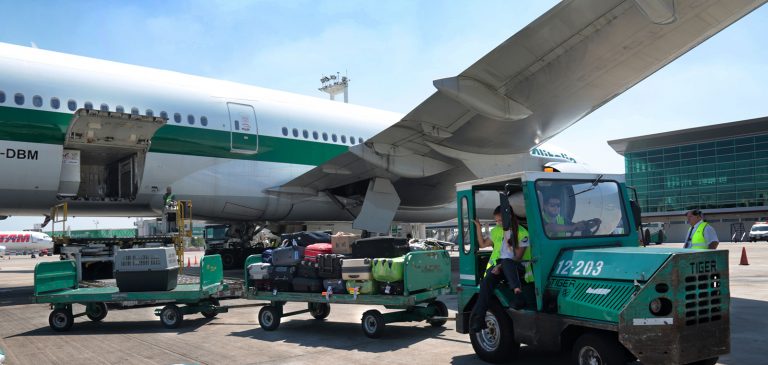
335	84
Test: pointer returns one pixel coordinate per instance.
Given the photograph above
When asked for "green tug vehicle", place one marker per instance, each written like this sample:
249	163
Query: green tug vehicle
595	292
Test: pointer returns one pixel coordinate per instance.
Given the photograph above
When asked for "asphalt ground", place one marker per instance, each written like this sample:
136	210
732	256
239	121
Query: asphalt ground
135	336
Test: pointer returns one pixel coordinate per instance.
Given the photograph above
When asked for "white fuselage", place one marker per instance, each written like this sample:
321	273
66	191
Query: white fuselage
25	241
223	146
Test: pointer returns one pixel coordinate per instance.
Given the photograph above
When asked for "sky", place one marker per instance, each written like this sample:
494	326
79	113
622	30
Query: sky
391	50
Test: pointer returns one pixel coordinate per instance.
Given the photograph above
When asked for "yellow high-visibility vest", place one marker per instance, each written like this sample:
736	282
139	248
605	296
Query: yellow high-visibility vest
698	242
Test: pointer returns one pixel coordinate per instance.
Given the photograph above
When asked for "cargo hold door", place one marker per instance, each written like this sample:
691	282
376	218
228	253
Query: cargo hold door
244	132
104	154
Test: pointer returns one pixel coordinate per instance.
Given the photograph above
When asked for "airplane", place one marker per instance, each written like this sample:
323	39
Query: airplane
24	242
108	138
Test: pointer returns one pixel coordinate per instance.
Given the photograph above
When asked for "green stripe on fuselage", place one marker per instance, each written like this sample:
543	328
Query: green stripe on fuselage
37	126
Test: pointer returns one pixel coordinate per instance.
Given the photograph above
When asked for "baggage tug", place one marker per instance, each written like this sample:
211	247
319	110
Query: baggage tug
594	291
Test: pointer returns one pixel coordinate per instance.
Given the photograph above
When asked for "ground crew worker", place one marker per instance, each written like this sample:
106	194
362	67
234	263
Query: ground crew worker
168	197
554	223
701	235
509	248
169	210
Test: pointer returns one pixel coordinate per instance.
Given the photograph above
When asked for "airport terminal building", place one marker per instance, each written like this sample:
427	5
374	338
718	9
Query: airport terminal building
721	169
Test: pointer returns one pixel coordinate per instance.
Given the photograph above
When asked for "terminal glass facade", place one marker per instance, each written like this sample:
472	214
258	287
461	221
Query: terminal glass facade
728	173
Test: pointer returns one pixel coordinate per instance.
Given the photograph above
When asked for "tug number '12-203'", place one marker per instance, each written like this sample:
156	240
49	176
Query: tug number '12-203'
583	268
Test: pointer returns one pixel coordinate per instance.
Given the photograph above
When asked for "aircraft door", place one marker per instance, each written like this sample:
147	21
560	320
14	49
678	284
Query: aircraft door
244	132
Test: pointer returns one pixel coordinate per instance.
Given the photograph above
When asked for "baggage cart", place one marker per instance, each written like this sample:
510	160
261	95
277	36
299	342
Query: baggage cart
56	283
427	275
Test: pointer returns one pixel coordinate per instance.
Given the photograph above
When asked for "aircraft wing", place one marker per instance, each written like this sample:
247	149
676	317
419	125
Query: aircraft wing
571	60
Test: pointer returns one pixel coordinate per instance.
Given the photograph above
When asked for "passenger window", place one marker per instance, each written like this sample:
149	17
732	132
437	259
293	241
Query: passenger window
204	121
104	107
333	137
325	136
360	140
164	115
88	105
120	109
177	117
351	140
19	99
343	139
285	131
2	97
71	105
55	103
150	113
135	111
191	119
37	101
305	134
315	135
295	132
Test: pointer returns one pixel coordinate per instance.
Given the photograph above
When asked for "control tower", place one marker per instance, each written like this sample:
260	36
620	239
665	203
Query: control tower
335	84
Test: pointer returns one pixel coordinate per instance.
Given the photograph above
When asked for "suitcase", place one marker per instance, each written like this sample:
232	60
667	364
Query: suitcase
365	286
380	247
266	256
282	277
329	265
356	269
308	285
335	286
388	270
262	285
305	239
259	271
394	288
311	252
287	256
307	269
342	242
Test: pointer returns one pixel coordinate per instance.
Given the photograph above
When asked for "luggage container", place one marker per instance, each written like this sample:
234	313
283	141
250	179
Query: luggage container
380	247
426	275
146	269
56	283
342	242
387	270
329	265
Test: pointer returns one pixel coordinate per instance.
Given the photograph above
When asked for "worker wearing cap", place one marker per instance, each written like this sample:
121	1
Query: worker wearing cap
701	235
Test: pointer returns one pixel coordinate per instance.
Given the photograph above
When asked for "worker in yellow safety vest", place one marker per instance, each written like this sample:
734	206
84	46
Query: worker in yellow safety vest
701	235
554	223
511	249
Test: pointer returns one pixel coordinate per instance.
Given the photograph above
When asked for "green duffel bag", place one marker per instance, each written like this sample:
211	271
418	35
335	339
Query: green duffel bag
389	270
364	286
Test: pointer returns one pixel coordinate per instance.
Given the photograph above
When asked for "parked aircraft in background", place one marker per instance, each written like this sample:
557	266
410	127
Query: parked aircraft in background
109	137
24	242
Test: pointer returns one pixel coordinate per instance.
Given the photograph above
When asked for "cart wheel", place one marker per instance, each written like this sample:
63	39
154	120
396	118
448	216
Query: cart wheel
210	312
171	316
441	310
228	261
61	319
373	323
269	318
319	310
598	348
96	311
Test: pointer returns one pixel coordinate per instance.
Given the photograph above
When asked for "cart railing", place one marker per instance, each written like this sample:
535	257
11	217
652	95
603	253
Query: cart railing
211	271
55	275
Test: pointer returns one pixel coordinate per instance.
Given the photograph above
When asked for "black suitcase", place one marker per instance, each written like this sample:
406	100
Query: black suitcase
329	265
308	285
394	288
307	269
282	277
287	256
337	286
305	239
379	247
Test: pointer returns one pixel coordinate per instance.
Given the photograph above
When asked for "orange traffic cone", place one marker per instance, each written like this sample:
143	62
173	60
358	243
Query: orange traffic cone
744	256
188	265
195	260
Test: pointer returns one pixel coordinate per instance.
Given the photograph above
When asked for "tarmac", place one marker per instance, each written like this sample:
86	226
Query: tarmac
135	336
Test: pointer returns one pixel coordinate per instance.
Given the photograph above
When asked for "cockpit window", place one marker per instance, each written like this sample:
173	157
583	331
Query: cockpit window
581	208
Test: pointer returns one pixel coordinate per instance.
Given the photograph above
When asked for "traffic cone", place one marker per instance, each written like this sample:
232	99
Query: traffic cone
744	256
195	260
188	265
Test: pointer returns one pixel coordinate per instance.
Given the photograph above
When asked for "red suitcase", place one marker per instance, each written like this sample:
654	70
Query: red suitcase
311	252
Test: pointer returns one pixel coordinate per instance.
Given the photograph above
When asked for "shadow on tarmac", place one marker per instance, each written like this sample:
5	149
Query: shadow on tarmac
87	327
16	295
344	335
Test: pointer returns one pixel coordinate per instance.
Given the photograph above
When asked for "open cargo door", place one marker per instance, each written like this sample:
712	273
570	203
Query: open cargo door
104	154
